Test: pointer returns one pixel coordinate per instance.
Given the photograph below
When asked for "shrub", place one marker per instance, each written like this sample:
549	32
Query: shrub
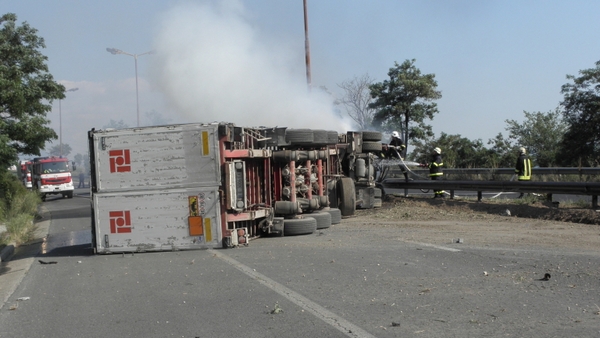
20	228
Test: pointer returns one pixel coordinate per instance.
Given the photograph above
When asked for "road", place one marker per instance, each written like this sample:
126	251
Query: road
345	281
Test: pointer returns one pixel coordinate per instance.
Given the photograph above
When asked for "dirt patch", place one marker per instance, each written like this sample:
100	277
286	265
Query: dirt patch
501	224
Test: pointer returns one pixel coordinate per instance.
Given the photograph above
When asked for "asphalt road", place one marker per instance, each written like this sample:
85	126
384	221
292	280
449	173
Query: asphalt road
340	282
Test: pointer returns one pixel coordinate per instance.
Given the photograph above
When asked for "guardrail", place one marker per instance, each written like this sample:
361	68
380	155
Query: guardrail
511	171
549	188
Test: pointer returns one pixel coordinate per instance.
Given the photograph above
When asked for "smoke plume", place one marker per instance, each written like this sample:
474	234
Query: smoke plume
213	65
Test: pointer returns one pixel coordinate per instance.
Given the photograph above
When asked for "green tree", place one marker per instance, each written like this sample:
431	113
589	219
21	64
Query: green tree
541	134
503	152
457	151
78	158
581	143
26	91
405	100
56	151
116	124
357	100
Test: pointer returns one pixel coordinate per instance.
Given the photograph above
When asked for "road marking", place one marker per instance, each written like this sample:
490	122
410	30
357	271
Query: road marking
434	246
318	311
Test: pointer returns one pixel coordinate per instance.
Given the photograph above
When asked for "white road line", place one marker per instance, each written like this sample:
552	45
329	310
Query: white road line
434	246
318	311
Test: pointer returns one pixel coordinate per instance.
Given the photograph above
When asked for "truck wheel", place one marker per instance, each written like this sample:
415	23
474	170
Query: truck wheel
369	146
323	219
320	137
70	194
347	196
369	135
336	215
332	137
43	197
300	136
299	226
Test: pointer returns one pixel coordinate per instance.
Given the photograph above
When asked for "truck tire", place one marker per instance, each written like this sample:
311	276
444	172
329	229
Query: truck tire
370	146
70	194
300	136
336	215
332	137
323	219
369	135
299	226
320	137
43	197
347	196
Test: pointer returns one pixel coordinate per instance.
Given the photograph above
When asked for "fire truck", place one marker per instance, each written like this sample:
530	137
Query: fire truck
26	173
194	186
52	176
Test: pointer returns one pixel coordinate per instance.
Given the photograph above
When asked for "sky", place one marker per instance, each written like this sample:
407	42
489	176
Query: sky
243	61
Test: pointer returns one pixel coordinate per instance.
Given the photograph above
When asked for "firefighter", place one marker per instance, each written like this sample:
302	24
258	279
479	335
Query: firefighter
523	167
435	170
395	150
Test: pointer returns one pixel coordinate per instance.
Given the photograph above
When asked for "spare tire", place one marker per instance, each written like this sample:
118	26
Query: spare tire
336	215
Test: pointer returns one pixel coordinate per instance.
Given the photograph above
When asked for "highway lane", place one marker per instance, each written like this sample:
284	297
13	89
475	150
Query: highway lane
346	281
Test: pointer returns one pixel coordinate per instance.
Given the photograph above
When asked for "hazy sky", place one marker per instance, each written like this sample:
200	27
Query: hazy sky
242	61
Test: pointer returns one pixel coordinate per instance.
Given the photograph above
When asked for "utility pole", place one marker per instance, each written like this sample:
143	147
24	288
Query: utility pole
307	48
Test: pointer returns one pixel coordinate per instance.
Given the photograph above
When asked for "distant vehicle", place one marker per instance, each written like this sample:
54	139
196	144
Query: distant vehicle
52	176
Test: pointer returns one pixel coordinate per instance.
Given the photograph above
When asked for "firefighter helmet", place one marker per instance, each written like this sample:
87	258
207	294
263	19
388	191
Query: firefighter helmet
522	150
395	134
437	150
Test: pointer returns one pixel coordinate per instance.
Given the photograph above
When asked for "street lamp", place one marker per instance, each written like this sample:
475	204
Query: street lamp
115	51
60	119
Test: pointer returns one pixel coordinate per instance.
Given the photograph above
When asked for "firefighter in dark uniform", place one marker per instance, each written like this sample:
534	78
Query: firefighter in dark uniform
435	170
395	150
523	167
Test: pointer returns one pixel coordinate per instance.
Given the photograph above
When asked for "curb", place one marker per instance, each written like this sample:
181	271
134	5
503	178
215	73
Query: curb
9	250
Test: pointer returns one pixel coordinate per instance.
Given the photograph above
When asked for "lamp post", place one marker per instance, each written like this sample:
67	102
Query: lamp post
60	119
115	51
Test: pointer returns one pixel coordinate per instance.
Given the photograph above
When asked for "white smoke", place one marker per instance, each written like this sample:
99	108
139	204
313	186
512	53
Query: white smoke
213	65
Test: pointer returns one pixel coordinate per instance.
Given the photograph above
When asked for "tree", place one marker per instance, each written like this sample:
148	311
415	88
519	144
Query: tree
357	100
541	134
55	150
78	158
405	101
26	91
581	143
502	153
457	151
116	125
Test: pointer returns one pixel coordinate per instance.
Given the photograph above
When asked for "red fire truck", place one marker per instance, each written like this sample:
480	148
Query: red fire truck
194	186
52	176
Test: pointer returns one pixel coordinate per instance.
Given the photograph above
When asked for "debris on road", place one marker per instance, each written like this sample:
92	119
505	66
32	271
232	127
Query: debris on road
44	262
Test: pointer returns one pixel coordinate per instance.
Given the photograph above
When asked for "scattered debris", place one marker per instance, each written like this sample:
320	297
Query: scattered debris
546	277
458	240
277	309
395	324
23	298
506	212
49	262
485	273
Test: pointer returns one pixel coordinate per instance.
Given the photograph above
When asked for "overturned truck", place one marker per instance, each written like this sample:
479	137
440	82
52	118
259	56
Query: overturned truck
193	186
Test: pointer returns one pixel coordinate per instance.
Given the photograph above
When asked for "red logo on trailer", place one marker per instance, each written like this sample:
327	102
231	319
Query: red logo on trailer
120	222
119	161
